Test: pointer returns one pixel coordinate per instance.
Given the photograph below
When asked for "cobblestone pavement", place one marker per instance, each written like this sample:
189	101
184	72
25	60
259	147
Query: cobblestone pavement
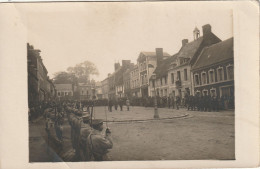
200	135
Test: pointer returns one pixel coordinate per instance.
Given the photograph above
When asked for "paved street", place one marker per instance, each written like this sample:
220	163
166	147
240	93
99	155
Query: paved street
185	135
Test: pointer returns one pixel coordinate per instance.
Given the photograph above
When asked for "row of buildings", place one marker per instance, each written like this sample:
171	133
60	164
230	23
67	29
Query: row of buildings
42	89
203	66
80	91
40	86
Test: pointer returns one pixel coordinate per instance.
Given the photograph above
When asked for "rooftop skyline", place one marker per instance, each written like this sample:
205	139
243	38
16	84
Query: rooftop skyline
105	33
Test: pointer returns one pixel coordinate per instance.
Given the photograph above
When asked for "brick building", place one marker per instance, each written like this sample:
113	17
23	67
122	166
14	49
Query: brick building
179	72
213	71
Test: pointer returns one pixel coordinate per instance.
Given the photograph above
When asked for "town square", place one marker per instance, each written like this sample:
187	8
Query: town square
120	93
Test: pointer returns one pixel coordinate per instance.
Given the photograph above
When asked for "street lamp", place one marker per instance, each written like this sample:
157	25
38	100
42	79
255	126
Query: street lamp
156	115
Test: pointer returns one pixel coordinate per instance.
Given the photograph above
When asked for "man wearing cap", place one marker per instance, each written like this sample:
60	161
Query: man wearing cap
84	133
98	143
77	134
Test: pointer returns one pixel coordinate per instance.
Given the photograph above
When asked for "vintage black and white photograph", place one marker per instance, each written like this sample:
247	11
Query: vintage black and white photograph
129	81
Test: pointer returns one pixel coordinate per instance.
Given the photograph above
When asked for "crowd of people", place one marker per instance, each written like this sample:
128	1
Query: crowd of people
197	102
87	140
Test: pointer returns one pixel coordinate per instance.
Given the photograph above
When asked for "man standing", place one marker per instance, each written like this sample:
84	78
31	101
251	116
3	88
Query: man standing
84	133
178	100
116	104
121	104
110	104
98	144
173	102
127	104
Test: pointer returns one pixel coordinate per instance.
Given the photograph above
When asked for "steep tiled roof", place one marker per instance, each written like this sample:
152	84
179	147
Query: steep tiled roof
215	53
188	50
163	66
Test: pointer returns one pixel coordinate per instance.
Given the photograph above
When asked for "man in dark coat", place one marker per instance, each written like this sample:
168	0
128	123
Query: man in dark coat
99	144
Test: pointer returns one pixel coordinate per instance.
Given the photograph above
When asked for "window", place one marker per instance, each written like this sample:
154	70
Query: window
185	74
211	76
144	66
205	92
58	93
166	80
161	81
230	72
179	75
213	92
197	81
165	92
172	78
220	74
197	92
203	78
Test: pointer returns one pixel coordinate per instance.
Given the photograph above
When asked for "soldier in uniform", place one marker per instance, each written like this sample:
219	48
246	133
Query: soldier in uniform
98	144
84	133
110	104
121	104
77	133
178	101
116	104
127	104
169	102
173	102
73	124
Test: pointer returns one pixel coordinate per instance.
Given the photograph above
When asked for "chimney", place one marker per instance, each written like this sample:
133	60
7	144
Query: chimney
206	29
117	65
159	53
126	63
184	42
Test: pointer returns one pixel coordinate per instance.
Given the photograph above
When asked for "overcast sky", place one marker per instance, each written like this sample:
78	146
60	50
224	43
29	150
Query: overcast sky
70	33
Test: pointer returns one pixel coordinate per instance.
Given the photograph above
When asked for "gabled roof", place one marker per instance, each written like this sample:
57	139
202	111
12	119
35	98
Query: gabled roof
215	53
163	66
189	49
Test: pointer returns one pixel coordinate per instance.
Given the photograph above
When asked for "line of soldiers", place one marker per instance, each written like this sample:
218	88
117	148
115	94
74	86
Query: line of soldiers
86	134
208	103
120	102
54	118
